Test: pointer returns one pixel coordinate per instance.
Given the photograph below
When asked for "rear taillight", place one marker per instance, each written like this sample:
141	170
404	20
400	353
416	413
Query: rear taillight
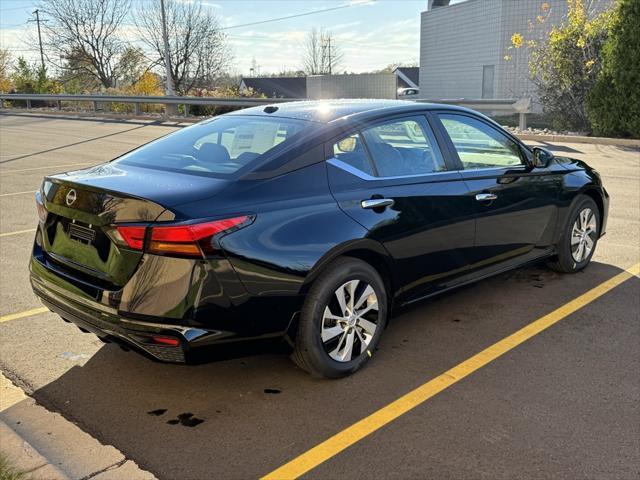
42	212
195	240
132	236
189	240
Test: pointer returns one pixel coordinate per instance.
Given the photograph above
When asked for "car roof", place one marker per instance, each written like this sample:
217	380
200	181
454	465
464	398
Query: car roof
327	111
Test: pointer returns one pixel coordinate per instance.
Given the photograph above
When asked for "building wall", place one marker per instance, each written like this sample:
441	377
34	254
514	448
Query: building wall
457	41
375	85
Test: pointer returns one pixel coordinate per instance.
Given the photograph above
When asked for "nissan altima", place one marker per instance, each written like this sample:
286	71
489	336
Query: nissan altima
311	221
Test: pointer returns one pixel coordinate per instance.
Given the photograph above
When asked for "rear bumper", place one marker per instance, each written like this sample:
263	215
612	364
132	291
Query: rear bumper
111	327
203	306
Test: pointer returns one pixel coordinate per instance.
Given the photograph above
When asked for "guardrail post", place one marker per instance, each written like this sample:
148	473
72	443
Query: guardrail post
170	110
522	121
136	107
95	106
28	104
59	103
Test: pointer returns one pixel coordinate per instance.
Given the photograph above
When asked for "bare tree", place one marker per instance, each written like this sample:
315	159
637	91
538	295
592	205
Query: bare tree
198	51
321	53
86	31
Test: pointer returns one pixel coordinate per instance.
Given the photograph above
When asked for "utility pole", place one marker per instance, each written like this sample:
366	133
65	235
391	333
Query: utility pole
37	13
329	48
325	45
167	58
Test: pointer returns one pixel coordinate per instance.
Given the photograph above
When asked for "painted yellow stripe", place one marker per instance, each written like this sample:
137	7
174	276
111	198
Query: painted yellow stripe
32	191
359	430
2	172
18	232
26	313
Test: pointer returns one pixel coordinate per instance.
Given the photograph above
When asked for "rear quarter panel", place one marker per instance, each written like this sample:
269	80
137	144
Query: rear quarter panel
297	224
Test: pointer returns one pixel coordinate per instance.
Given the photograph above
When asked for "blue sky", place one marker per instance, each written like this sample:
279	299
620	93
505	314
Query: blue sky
371	33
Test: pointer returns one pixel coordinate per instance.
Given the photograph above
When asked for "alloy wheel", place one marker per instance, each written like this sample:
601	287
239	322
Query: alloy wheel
350	320
583	235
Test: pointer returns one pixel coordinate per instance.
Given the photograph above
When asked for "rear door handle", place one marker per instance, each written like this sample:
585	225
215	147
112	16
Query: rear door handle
486	197
377	203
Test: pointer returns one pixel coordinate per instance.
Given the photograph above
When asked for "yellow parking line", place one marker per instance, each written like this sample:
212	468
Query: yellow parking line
359	430
17	193
26	313
18	232
2	172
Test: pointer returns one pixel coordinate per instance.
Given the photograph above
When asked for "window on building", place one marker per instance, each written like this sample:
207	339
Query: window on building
487	81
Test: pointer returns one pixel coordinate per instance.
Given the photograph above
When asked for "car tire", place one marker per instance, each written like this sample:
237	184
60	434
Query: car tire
579	237
346	308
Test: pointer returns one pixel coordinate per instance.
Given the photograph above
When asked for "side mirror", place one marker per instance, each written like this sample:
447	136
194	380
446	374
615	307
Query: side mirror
541	157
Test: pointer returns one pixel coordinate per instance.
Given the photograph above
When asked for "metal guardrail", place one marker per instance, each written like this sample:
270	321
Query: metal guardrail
520	106
169	102
494	105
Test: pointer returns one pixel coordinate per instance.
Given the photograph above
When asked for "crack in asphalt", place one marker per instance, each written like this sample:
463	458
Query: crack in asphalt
106	469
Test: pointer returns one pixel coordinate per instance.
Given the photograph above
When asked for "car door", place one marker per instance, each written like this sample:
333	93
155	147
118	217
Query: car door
394	180
515	204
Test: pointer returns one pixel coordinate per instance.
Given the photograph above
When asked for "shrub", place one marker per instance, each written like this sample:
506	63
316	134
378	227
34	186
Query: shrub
613	106
565	66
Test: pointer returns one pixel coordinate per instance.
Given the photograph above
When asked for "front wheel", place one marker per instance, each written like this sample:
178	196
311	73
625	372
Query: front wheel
579	238
342	319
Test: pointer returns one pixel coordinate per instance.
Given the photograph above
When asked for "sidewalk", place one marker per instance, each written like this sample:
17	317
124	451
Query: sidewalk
47	446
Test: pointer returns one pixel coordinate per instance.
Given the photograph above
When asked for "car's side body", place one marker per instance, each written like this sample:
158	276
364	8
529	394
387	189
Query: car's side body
306	211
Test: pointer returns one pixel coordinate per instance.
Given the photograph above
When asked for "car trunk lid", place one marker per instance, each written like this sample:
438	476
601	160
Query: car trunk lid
82	207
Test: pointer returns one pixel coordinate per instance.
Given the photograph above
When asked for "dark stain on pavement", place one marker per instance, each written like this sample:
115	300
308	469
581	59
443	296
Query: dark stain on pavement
186	419
158	412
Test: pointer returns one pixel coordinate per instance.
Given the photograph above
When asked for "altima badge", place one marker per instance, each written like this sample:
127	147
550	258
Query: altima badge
71	197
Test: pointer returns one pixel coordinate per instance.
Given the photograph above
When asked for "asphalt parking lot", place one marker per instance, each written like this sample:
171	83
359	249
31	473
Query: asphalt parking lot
563	404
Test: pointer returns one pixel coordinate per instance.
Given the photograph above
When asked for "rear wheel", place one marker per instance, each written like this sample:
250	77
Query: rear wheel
342	319
579	238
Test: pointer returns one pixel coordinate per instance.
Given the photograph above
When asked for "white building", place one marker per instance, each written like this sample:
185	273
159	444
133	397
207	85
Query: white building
463	46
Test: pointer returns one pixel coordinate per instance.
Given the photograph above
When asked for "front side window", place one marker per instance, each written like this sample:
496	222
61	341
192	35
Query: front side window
403	147
219	147
478	145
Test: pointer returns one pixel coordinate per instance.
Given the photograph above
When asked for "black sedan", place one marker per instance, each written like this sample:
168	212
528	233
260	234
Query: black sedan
311	221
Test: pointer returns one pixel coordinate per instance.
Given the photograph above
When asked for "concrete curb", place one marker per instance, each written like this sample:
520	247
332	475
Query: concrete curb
23	457
48	446
620	142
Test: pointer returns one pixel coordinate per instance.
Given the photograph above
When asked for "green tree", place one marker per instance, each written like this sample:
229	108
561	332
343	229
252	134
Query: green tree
5	65
32	79
564	67
613	106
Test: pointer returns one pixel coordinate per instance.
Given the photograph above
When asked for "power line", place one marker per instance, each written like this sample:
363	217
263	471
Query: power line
297	15
14	8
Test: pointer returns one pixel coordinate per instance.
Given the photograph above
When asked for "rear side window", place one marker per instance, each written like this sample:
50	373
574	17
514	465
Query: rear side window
478	145
219	147
403	147
393	149
351	151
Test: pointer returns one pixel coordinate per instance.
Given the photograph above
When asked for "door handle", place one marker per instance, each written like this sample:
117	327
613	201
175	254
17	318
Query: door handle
377	203
486	197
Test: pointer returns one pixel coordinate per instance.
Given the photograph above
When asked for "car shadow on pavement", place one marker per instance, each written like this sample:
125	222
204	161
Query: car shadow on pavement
242	417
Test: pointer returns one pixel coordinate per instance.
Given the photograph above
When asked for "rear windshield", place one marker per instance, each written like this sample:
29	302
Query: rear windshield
218	147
